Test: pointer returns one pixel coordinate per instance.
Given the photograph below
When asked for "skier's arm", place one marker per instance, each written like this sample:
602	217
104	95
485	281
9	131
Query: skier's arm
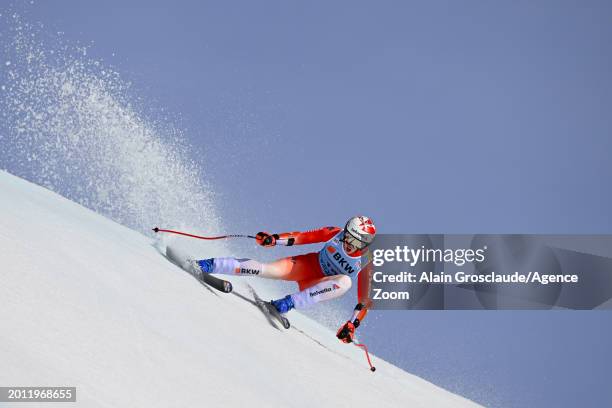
347	331
297	238
364	285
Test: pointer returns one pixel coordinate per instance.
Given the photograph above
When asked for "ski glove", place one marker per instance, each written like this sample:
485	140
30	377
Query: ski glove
347	331
266	240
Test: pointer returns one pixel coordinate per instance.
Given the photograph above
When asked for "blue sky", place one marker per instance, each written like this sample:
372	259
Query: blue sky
431	117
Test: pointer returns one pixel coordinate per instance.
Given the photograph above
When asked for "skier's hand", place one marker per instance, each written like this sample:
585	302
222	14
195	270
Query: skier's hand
346	332
264	239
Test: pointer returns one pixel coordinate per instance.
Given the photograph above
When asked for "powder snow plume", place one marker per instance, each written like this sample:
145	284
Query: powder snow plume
71	124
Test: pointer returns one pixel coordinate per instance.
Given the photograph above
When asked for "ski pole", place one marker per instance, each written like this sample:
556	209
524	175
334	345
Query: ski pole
156	229
365	348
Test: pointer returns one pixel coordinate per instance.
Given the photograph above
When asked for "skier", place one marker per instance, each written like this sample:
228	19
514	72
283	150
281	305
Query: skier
321	276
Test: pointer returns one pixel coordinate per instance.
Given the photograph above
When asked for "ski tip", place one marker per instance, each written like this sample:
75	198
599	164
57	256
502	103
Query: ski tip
227	287
156	229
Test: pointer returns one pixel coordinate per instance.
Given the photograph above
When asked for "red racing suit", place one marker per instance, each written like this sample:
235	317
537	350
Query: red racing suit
320	276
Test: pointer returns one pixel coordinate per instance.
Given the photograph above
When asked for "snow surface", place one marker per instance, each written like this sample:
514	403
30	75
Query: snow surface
87	302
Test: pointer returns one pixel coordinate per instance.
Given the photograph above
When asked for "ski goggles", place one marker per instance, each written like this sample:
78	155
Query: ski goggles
353	241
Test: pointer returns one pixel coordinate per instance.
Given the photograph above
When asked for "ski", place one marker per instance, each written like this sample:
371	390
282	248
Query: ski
254	303
186	264
220	284
269	310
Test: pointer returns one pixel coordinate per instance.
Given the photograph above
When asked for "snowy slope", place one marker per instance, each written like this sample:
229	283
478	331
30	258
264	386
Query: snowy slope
89	303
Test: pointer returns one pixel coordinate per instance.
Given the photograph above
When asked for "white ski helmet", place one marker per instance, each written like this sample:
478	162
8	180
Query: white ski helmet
359	231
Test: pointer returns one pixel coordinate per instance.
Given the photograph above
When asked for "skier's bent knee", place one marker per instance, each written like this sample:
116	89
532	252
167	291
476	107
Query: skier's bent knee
324	290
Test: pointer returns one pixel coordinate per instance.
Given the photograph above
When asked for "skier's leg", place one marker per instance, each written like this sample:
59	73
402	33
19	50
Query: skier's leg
326	288
295	268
